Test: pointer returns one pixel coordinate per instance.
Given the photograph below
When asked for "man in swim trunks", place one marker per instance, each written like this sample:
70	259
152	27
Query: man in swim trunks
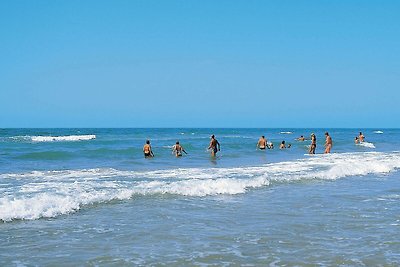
328	143
313	145
214	146
262	143
178	149
361	137
148	152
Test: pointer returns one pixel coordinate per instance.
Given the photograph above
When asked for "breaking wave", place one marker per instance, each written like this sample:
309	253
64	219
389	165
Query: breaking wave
63	138
41	194
39	138
366	144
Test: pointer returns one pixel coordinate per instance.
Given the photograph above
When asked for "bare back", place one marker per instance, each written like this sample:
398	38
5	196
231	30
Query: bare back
146	148
262	143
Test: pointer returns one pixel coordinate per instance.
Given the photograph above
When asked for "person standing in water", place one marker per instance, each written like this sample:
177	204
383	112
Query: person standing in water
328	143
313	145
148	152
214	146
356	140
361	137
178	149
262	143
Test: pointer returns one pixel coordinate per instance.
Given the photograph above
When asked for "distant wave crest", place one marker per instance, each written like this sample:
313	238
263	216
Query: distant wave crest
40	138
52	193
63	138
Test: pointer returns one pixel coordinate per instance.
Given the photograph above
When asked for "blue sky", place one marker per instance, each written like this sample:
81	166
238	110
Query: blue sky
199	63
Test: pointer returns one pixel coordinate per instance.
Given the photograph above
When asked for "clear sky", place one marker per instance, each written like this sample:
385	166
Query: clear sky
199	63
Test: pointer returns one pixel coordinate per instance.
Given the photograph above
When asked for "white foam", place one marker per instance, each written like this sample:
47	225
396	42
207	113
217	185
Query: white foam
366	144
378	132
40	138
62	138
285	132
51	193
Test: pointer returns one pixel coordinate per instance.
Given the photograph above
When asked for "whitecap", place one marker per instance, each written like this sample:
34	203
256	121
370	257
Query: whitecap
62	138
53	193
366	144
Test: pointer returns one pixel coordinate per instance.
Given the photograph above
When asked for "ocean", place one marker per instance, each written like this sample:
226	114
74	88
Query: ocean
73	197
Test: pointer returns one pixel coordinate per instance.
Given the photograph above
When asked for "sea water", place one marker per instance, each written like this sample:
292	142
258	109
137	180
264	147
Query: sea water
73	197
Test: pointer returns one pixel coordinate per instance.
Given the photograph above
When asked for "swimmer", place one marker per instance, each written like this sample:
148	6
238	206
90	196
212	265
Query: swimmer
262	143
361	137
301	138
313	145
289	146
178	149
148	152
270	145
282	146
214	146
328	143
356	141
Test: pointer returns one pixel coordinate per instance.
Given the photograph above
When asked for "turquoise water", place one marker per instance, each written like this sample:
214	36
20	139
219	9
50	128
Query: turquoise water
88	197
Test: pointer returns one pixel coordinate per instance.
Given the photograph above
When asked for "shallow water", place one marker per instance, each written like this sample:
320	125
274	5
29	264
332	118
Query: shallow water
97	201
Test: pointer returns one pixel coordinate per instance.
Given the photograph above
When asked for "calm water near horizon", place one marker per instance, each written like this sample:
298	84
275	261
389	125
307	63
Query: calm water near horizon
71	197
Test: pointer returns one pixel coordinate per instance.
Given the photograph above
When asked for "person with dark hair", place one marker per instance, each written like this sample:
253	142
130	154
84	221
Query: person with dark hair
214	146
262	143
282	146
356	141
148	152
328	143
178	149
313	145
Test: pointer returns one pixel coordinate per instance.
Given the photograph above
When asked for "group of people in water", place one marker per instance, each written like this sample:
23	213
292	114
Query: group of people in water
177	149
262	144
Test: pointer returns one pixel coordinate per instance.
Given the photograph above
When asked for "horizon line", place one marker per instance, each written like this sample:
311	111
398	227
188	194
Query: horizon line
152	127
